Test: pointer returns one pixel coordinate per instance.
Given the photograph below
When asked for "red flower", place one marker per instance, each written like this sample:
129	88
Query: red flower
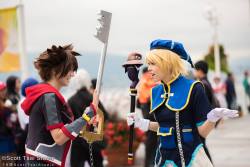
110	132
110	142
110	125
120	126
117	133
118	139
139	132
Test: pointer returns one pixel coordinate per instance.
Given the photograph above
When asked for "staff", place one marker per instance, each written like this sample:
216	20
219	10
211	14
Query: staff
132	68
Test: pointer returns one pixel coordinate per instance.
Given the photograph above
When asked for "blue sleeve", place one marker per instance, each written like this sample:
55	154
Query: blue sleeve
201	105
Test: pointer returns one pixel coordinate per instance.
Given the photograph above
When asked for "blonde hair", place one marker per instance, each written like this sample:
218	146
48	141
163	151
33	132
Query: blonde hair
168	61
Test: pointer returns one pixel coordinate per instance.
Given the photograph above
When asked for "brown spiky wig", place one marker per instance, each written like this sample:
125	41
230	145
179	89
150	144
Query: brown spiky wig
57	61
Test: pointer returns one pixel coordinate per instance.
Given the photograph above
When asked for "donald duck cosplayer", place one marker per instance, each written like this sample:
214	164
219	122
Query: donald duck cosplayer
180	107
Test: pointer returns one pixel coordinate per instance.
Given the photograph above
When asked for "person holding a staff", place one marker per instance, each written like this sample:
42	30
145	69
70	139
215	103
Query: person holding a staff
181	109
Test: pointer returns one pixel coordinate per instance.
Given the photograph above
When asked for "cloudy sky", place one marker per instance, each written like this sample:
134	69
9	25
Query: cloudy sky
137	22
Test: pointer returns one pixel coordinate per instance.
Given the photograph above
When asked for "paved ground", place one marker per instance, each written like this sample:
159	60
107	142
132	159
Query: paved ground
229	144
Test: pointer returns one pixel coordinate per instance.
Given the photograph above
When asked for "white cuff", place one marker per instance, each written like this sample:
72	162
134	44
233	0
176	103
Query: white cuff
143	124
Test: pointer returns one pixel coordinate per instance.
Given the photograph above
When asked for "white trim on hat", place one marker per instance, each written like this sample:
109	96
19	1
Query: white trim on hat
172	45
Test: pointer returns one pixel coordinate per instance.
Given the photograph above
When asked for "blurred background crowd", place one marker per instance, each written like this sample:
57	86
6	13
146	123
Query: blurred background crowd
134	24
14	123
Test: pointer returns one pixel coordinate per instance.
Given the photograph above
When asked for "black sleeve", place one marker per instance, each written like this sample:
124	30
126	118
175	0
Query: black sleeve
51	111
75	108
201	105
105	113
79	102
208	91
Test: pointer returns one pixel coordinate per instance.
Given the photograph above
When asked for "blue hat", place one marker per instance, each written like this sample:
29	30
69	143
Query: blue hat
175	47
27	83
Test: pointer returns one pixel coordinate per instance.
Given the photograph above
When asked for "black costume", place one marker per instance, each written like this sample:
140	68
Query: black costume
78	102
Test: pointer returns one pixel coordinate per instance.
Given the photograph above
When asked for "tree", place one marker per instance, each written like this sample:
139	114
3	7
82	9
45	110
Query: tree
209	58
